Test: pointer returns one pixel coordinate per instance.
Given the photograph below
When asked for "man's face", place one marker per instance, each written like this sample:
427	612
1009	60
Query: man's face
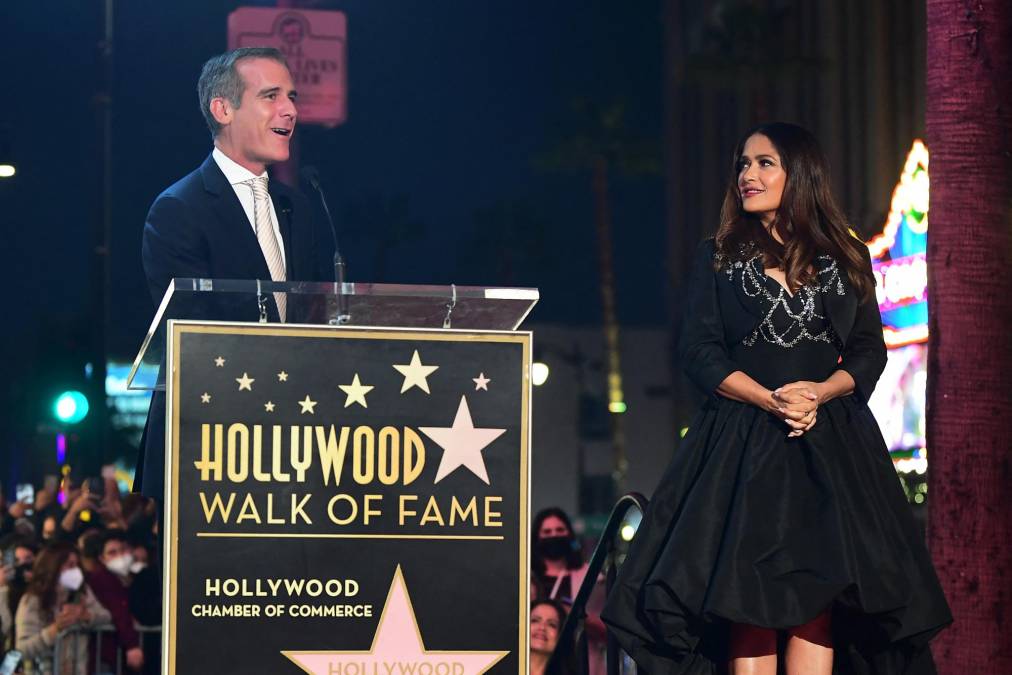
258	132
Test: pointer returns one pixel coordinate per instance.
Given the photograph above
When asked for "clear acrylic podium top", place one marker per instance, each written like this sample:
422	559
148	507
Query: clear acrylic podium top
321	303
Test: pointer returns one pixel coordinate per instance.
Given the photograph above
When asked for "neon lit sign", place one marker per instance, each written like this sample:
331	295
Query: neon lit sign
900	266
899	255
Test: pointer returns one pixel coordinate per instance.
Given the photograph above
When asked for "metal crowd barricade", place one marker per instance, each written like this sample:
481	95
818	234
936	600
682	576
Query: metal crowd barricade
77	633
572	631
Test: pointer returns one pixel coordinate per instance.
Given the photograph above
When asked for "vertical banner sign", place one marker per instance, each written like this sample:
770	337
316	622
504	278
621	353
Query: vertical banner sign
346	501
315	44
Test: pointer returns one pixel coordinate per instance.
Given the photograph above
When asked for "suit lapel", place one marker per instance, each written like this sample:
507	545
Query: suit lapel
233	220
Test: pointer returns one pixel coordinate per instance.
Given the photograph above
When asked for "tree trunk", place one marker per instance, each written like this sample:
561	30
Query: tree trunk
969	396
606	268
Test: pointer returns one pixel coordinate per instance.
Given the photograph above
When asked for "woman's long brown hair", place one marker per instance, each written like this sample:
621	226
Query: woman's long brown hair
46	573
808	221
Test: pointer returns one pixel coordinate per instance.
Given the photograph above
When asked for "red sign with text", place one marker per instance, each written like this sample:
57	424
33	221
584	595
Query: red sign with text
315	44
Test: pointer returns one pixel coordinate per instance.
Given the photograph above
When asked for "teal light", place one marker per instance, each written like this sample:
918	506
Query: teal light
71	407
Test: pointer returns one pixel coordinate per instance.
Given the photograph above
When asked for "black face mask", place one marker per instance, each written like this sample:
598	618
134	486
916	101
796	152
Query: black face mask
555	548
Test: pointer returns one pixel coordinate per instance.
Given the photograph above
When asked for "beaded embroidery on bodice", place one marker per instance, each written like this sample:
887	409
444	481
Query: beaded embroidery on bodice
788	320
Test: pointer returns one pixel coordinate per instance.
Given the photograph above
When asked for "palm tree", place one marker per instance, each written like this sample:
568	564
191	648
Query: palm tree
969	397
601	143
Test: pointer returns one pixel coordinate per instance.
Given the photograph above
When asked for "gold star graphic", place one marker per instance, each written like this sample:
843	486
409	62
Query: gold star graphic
205	398
415	374
269	407
219	362
356	392
481	382
282	376
245	382
397	642
308	405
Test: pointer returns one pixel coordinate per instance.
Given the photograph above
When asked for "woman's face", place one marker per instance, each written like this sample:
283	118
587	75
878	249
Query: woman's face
553	526
545	625
761	178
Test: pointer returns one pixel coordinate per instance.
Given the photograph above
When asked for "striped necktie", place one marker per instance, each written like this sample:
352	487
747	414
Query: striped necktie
265	235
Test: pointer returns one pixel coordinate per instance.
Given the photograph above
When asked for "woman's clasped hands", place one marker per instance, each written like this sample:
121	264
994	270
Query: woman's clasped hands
797	404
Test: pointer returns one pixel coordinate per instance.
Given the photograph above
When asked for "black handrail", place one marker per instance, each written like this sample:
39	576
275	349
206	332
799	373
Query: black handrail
603	552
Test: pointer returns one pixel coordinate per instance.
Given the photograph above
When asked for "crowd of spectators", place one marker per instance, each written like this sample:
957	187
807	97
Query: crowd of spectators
558	570
79	556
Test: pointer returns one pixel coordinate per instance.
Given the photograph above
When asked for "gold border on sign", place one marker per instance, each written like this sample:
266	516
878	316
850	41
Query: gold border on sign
169	610
177	328
525	499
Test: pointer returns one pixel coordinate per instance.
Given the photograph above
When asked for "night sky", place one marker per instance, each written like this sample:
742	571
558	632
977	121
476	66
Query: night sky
450	105
434	177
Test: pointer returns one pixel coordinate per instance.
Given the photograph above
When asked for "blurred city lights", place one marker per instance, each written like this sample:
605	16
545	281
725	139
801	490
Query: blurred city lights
617	407
7	170
918	465
627	532
539	373
61	448
71	407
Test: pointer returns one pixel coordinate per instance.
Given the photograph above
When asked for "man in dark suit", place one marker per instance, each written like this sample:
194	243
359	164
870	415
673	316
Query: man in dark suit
226	220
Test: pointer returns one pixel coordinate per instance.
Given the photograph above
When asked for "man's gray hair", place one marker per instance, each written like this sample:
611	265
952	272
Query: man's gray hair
220	79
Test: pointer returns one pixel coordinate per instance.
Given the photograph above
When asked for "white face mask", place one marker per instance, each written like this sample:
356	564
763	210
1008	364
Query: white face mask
120	565
72	579
137	567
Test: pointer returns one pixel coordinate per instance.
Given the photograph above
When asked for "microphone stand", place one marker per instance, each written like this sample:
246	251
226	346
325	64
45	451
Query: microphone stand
343	316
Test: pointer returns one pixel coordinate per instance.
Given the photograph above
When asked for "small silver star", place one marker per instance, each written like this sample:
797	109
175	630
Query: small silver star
481	382
219	362
308	405
269	407
245	382
282	376
205	398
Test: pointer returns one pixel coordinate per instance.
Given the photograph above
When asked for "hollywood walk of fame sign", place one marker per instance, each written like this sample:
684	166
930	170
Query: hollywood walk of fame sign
346	500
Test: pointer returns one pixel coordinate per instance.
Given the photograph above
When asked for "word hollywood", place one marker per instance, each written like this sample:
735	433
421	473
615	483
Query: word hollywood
389	455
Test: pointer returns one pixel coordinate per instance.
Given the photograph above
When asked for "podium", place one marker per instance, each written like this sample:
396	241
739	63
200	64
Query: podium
346	492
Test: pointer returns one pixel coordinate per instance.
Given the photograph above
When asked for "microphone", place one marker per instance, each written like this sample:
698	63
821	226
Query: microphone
285	206
312	176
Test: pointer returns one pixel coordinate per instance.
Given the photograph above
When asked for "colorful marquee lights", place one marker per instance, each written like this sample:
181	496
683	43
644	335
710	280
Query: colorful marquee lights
899	255
899	263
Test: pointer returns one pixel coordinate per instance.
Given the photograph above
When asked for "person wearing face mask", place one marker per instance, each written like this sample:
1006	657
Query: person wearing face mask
57	599
558	571
109	578
557	564
146	599
14	580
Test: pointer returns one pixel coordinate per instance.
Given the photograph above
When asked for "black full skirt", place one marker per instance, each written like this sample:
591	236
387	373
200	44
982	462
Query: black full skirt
753	527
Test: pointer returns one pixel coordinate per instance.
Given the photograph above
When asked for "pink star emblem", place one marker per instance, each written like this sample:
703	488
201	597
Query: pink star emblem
462	444
397	644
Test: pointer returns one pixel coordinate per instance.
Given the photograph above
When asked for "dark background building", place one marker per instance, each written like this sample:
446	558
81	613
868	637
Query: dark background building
468	157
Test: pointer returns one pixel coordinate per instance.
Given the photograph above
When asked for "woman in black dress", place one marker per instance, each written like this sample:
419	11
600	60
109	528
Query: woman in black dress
780	528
